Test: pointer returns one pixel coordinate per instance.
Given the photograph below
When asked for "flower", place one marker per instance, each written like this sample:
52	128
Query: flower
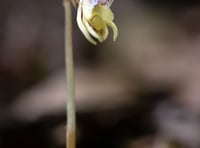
94	17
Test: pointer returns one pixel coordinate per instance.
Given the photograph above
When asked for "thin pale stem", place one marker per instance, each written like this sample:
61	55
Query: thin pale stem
70	108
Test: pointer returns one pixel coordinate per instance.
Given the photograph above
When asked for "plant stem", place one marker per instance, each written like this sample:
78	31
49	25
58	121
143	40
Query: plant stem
70	108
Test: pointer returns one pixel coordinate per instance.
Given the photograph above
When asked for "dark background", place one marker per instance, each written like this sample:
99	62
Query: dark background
141	91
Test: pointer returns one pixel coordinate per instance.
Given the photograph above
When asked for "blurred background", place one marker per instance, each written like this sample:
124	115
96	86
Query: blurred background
142	91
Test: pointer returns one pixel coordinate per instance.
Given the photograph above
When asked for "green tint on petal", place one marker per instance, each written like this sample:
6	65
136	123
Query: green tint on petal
105	12
90	29
99	26
97	22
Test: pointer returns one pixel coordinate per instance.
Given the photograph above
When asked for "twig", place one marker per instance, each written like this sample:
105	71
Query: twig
70	108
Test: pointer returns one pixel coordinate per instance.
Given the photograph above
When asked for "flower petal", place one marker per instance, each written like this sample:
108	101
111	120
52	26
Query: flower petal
107	3
83	27
94	17
99	25
91	29
88	6
105	12
108	17
114	28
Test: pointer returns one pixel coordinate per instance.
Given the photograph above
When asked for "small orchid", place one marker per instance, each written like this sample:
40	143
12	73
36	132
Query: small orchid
94	17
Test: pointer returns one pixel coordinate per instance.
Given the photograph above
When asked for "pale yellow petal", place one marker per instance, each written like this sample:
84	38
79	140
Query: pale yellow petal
104	11
105	35
108	17
91	30
99	26
83	27
114	28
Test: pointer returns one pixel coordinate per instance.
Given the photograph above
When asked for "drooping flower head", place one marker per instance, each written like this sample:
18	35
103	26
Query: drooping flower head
94	17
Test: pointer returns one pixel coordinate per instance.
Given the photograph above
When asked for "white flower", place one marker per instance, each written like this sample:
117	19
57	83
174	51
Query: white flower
94	17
